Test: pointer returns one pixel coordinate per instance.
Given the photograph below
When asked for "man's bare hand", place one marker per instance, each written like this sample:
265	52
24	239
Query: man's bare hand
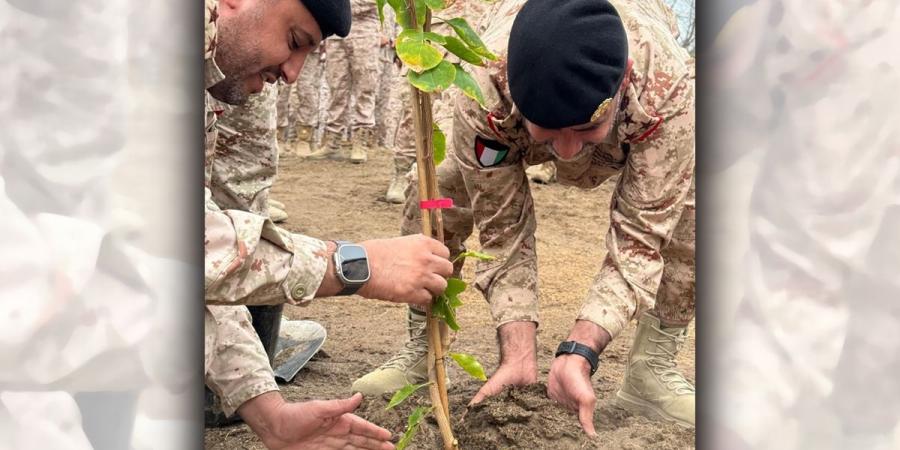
518	359
325	424
569	384
409	269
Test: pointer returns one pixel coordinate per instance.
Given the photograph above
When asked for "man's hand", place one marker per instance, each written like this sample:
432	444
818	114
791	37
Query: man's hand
408	269
569	384
518	360
316	424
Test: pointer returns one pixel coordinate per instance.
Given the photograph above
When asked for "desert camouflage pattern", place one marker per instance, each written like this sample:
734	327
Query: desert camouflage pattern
387	105
248	260
246	158
240	369
351	70
298	103
650	243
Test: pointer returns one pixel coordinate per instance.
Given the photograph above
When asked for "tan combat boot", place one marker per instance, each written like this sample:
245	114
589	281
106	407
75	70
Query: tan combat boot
653	387
396	192
363	140
277	214
330	148
304	144
544	173
406	367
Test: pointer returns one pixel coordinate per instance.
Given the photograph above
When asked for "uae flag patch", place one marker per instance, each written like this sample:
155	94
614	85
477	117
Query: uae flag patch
489	153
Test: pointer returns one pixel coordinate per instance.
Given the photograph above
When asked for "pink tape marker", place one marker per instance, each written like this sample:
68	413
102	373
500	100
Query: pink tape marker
438	203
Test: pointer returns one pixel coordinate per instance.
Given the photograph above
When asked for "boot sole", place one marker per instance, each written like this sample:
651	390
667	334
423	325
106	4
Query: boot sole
641	407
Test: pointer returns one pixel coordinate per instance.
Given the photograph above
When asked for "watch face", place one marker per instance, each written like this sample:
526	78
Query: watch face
354	264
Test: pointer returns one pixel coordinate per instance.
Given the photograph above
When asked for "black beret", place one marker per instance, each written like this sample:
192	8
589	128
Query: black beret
333	16
566	57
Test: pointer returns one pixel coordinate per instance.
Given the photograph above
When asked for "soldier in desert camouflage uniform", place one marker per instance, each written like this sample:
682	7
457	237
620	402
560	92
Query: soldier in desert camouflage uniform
249	260
351	71
633	116
386	111
298	106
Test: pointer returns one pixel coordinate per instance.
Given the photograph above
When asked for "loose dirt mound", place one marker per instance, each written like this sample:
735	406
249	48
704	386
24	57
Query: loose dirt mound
525	418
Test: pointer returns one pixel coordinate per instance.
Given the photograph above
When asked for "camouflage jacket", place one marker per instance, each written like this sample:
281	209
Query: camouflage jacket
247	260
651	147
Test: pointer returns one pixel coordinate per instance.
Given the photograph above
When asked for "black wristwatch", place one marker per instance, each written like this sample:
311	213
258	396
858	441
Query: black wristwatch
574	348
351	265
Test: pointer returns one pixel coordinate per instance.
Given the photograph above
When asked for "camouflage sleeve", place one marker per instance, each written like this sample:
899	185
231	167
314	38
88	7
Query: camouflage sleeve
503	211
251	261
238	368
646	206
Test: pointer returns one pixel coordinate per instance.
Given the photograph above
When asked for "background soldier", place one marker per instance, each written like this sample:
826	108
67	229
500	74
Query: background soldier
613	95
351	72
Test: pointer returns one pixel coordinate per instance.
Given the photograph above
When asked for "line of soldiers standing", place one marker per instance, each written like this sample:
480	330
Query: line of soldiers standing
350	99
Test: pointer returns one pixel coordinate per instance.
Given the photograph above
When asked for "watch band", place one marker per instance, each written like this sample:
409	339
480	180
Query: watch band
574	348
349	289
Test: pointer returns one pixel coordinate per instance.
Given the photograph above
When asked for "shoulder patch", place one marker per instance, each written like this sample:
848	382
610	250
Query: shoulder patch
489	153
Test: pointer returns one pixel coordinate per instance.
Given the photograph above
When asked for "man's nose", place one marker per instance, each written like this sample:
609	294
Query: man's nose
567	147
291	68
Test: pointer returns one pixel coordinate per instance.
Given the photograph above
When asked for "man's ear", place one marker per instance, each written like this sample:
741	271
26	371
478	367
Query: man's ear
231	5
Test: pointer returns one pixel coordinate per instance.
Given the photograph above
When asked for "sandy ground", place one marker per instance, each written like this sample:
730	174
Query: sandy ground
338	200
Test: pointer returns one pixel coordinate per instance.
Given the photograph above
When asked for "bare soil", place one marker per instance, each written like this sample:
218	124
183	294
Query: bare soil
333	200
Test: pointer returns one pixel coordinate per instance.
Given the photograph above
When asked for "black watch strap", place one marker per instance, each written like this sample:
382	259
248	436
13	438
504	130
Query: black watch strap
574	348
349	289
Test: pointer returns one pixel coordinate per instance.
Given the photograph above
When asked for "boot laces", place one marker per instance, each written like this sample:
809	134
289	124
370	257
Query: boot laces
663	362
413	350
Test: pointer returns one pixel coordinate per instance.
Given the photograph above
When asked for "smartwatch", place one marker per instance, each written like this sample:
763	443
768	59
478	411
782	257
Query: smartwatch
351	265
574	348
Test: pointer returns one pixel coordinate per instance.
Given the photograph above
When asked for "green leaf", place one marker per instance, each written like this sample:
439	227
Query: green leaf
380	4
435	5
436	38
470	37
417	54
401	395
401	12
412	425
455	286
434	79
470	365
442	309
421	10
468	86
458	48
439	142
477	255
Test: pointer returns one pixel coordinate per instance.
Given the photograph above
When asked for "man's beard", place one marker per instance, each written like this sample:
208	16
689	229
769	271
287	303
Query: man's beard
237	54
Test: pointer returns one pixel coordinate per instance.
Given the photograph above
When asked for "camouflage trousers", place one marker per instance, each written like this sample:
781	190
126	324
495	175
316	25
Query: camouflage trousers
351	72
405	135
298	103
387	105
674	300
